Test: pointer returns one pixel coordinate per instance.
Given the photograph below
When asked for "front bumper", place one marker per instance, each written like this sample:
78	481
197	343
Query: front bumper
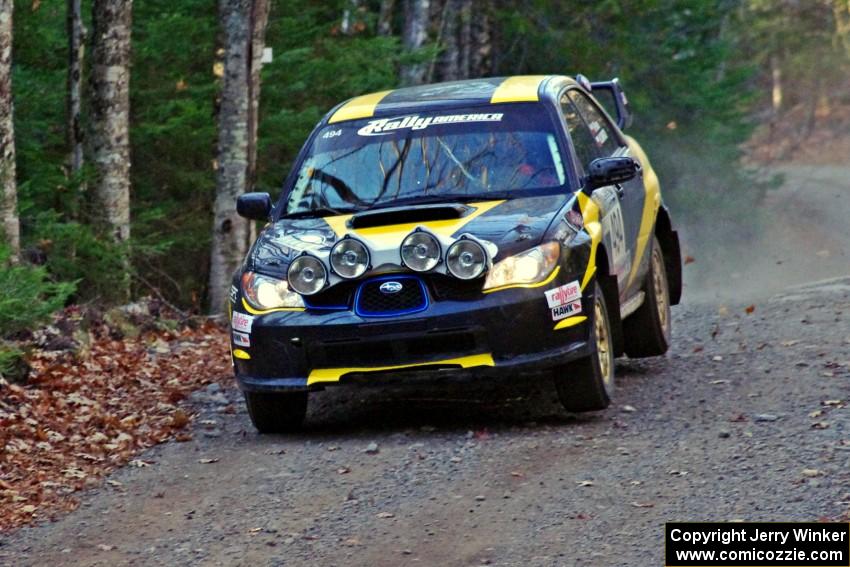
506	332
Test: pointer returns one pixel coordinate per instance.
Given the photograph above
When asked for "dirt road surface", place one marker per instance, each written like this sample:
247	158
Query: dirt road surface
746	418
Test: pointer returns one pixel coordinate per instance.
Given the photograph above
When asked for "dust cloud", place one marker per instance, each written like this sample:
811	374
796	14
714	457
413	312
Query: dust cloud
798	234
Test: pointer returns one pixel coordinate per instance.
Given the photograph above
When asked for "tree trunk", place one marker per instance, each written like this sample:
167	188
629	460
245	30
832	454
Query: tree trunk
259	24
76	52
230	232
110	117
465	39
415	36
448	61
9	206
842	22
351	19
385	18
480	61
776	91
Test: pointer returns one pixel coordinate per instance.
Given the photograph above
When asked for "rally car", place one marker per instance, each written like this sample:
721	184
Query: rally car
472	228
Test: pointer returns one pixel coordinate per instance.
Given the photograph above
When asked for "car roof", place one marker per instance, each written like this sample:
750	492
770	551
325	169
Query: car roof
474	92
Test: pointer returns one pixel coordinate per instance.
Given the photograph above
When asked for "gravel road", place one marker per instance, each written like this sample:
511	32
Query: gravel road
746	418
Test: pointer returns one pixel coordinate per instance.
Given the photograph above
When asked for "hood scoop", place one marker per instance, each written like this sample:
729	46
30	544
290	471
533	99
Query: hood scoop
408	215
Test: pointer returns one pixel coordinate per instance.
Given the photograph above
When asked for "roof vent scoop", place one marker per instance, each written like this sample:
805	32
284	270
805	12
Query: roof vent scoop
405	215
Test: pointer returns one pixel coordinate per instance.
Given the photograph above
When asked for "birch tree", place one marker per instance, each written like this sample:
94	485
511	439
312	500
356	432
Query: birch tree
243	24
259	23
385	18
841	9
110	117
416	19
76	48
9	206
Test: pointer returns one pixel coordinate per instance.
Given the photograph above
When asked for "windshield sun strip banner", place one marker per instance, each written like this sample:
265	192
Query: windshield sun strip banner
383	126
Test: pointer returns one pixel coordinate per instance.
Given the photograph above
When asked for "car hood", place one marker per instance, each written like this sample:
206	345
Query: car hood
512	225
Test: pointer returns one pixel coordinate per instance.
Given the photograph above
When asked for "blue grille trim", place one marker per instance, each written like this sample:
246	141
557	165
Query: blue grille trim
397	278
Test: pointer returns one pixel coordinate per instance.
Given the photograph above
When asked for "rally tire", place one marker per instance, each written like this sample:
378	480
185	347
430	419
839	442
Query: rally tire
587	384
276	412
646	332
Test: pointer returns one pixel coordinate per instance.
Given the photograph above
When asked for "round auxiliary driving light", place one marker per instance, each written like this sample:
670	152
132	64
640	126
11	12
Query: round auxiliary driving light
466	259
349	258
420	251
307	275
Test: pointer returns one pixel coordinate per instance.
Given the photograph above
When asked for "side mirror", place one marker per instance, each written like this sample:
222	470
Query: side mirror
611	170
254	206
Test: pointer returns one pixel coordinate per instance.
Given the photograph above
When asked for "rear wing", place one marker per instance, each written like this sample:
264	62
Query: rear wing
621	104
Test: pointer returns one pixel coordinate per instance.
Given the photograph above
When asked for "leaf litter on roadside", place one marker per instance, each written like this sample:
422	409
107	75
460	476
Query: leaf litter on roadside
83	415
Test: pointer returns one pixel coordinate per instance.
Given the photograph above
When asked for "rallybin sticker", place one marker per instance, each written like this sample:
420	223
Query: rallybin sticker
241	339
242	322
564	300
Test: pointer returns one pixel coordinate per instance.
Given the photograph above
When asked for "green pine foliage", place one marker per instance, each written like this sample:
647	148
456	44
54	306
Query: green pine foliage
29	297
690	96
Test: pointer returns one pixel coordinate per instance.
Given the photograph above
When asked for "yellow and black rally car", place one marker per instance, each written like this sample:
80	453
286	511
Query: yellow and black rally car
500	225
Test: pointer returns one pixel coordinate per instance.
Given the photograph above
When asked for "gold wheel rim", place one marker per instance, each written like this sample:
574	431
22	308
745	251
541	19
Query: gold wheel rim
603	346
659	285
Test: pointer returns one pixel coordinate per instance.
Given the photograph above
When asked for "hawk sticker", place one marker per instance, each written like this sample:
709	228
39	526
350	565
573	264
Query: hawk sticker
564	300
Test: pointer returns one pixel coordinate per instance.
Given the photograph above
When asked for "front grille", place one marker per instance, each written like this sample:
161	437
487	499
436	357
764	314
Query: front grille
399	350
454	289
335	297
370	301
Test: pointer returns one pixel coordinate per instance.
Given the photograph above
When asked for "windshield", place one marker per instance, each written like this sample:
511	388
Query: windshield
462	154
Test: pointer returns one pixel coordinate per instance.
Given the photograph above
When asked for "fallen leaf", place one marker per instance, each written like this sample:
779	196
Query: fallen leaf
689	260
750	309
811	473
179	419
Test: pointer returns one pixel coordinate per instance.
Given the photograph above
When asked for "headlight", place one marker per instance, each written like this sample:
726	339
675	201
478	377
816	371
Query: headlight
307	275
264	292
466	259
531	266
349	258
420	251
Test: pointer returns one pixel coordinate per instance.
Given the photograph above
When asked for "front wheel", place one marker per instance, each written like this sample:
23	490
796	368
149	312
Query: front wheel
647	330
275	412
588	383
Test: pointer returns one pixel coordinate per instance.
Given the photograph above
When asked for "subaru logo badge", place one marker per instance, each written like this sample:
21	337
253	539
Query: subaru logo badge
389	288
